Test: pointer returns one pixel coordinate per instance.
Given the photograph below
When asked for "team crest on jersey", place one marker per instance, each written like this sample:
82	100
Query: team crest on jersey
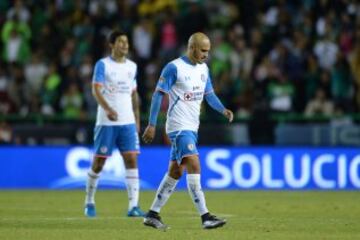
191	146
203	78
103	149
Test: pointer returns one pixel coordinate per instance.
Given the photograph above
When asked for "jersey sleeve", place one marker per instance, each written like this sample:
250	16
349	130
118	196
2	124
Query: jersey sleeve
167	78
208	87
155	107
99	73
214	102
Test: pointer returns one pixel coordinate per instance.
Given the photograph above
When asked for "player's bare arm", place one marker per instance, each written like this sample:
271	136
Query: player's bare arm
96	91
136	108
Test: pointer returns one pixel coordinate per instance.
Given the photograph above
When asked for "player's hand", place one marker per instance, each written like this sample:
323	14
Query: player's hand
149	134
111	114
229	114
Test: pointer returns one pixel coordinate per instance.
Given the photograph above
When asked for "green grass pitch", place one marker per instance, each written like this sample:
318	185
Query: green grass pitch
250	214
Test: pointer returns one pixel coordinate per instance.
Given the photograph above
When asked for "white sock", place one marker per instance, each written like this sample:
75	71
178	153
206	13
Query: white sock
91	186
196	193
163	193
132	185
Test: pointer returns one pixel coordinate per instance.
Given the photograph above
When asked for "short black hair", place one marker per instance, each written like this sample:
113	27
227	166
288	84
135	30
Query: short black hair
115	34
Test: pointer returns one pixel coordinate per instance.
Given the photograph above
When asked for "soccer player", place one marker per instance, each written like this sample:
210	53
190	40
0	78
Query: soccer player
117	122
187	81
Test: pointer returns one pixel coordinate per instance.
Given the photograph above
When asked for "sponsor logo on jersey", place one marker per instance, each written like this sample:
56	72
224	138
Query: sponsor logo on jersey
193	96
188	96
118	87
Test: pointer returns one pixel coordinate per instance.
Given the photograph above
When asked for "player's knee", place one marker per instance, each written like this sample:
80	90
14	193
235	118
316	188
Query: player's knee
175	171
98	164
193	168
97	168
130	160
176	174
192	165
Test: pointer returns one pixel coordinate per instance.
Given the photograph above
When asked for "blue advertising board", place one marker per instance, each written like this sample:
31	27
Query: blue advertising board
264	168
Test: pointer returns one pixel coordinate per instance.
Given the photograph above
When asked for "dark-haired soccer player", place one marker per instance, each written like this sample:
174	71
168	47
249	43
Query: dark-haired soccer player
114	88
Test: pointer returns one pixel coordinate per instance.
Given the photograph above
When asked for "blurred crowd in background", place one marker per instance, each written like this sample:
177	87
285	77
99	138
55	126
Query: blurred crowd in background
298	56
